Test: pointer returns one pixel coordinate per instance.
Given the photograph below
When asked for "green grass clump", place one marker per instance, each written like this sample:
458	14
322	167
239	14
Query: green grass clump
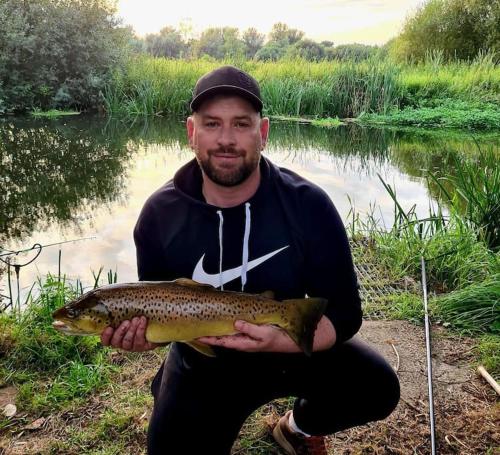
51	369
473	309
488	352
473	192
52	113
327	122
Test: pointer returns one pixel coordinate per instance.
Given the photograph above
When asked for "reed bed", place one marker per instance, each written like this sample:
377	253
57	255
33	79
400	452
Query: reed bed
159	86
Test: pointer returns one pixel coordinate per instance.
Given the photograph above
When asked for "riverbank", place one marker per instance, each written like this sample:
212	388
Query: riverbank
73	395
454	95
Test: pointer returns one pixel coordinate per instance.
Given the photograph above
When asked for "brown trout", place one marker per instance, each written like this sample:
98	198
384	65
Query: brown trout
184	310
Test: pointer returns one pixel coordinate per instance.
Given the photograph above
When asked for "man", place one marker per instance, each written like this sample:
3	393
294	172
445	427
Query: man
232	219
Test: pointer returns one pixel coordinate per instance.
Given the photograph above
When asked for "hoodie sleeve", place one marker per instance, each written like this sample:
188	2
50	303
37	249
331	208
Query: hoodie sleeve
329	267
149	250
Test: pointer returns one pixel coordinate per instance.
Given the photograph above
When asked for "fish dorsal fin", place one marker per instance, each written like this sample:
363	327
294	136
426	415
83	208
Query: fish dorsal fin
191	283
267	294
200	347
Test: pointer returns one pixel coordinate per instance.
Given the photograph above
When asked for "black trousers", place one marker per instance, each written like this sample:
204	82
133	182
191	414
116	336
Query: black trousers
200	403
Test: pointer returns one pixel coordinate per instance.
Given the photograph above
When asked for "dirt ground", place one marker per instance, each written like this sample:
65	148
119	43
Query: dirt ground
467	409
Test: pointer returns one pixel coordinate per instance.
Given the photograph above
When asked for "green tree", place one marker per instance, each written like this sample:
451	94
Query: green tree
307	49
219	43
253	41
456	28
57	53
281	32
272	51
167	43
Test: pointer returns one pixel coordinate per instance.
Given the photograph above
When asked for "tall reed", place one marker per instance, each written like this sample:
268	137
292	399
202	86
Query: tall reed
149	86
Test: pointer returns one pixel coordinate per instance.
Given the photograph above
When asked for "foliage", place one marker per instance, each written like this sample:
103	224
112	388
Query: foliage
307	49
56	53
460	29
64	367
253	42
74	169
476	194
219	43
473	309
488	351
282	32
291	87
455	258
167	43
272	51
353	52
452	116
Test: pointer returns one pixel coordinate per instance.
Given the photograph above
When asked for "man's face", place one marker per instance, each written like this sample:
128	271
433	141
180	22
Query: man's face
227	136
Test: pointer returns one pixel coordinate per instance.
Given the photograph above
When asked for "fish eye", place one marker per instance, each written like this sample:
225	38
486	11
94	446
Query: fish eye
72	313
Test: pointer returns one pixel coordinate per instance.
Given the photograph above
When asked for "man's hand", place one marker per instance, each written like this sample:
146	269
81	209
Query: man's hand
254	338
268	338
129	336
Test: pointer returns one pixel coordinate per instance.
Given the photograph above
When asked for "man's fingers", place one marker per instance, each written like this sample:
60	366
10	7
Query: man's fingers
119	333
254	331
140	342
106	336
129	337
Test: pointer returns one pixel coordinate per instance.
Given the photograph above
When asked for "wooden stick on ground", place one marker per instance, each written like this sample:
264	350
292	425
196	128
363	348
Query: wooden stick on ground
482	371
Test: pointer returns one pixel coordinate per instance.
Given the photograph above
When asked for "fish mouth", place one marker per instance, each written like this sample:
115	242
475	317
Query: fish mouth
60	326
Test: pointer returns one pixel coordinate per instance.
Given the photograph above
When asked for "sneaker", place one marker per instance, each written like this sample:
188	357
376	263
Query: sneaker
296	443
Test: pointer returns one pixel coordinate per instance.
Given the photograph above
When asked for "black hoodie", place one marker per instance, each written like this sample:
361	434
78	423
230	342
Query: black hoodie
287	238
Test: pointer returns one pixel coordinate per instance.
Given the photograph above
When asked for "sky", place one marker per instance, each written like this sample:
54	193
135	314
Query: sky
340	21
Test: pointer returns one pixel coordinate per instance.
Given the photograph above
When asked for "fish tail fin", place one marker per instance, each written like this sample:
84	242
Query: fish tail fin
305	315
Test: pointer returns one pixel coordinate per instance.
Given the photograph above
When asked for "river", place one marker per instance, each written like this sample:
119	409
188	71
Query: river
88	177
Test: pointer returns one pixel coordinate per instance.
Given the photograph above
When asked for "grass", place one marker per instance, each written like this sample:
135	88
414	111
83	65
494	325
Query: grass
52	113
476	195
488	354
49	368
473	309
462	263
452	95
458	115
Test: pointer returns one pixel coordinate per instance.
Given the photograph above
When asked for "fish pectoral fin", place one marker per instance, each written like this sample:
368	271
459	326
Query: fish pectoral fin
267	294
200	347
191	283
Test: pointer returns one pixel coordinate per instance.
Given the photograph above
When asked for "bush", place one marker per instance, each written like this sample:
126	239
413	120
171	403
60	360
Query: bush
56	53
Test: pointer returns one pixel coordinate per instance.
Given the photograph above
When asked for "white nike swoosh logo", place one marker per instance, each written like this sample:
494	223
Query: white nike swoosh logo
215	279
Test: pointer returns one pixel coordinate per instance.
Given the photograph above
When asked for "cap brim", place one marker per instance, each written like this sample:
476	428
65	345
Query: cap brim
225	89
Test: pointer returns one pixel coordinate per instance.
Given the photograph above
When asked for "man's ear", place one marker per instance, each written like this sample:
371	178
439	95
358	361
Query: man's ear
264	130
190	130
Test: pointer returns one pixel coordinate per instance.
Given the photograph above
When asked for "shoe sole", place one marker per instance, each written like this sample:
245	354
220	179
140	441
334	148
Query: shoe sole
282	441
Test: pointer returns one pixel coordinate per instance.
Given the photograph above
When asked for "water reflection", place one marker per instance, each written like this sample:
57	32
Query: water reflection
56	171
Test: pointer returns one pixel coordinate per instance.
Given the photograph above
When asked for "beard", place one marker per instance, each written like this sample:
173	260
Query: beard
229	176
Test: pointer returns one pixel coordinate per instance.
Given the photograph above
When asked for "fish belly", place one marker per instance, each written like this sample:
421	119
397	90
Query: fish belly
158	332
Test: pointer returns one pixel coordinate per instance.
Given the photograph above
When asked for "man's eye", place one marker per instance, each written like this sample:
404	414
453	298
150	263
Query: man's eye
211	124
242	125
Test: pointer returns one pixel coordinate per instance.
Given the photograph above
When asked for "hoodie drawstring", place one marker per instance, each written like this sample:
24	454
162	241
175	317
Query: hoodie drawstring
221	222
244	259
246	236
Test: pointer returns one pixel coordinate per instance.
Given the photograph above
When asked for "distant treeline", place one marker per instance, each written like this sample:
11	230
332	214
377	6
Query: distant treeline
67	53
230	43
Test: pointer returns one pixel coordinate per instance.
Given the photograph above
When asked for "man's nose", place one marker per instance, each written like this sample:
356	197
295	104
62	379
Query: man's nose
226	137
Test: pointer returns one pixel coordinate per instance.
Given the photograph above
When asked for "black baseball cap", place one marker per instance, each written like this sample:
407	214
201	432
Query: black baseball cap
226	79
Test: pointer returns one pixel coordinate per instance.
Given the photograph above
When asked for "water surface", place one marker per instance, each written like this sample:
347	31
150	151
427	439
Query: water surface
89	177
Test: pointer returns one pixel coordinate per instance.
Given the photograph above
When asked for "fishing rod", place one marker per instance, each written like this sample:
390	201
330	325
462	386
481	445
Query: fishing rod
38	246
17	267
429	363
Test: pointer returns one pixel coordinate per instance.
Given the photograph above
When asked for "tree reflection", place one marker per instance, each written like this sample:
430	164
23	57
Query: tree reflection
55	171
